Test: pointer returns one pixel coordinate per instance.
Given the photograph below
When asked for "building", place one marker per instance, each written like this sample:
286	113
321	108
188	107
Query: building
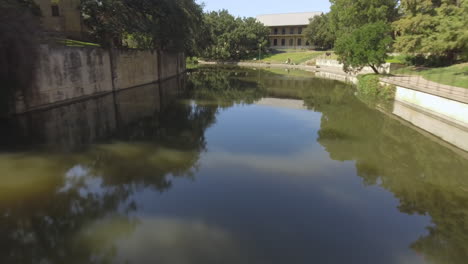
287	29
62	16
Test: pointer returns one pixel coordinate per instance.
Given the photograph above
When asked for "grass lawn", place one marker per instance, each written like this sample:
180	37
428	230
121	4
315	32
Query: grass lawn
289	72
296	57
76	43
455	75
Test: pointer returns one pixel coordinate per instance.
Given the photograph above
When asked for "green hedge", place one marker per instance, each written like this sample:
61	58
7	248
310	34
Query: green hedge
369	87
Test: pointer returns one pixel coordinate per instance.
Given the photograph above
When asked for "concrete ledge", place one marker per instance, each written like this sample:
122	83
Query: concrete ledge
449	92
447	109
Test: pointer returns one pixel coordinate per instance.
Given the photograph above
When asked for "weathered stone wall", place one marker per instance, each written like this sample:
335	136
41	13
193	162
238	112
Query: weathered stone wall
135	68
169	65
69	73
65	74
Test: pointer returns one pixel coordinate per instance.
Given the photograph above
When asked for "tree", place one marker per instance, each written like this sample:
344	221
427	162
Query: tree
147	24
436	27
319	32
234	38
366	46
347	15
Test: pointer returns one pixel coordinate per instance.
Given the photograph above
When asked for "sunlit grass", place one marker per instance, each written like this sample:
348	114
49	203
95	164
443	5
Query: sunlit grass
296	57
455	75
76	43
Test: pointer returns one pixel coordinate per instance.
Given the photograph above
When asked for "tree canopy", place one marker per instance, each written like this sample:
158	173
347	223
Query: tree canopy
319	32
429	26
149	24
233	38
366	46
363	31
347	15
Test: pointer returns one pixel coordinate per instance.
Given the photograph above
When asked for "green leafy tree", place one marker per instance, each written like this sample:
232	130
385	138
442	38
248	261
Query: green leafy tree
148	24
319	32
436	27
234	38
366	46
348	15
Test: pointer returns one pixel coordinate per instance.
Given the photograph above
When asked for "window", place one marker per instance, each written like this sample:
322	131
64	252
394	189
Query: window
55	11
283	42
299	30
307	43
283	31
291	31
276	31
299	42
275	42
291	42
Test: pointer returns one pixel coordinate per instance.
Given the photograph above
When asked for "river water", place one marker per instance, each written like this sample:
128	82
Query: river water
229	166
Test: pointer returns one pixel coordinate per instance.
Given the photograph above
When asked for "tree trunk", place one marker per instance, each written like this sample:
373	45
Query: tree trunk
374	69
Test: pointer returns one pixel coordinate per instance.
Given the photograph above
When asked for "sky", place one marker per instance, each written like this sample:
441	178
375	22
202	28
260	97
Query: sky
258	7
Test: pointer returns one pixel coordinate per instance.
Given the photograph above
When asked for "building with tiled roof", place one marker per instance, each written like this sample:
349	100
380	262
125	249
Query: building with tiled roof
287	29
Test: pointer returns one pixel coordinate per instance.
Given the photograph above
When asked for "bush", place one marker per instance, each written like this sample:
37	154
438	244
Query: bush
429	60
369	87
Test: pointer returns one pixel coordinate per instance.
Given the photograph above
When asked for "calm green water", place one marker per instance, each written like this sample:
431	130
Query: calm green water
229	166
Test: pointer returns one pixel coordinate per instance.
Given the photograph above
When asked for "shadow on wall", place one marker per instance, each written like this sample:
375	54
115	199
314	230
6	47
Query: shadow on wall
18	52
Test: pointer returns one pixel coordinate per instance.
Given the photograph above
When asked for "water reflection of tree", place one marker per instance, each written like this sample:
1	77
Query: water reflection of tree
224	88
100	180
425	177
428	179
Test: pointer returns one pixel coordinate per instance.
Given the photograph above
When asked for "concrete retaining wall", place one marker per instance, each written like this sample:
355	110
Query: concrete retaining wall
447	109
336	64
65	74
135	68
169	65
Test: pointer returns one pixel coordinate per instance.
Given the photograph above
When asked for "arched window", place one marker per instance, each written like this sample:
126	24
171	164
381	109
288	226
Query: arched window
299	42
283	31
276	31
283	42
291	42
275	42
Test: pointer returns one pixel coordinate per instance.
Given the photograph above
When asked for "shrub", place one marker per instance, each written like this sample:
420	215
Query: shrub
369	87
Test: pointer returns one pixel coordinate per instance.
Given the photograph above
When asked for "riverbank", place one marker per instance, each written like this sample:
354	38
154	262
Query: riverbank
446	104
334	71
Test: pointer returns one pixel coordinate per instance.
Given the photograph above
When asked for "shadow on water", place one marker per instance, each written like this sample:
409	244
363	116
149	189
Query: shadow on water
70	176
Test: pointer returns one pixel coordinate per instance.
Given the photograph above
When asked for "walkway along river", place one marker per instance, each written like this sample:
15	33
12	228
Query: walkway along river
232	165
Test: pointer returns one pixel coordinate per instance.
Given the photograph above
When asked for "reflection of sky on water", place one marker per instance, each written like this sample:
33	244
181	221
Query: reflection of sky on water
220	178
160	240
298	206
